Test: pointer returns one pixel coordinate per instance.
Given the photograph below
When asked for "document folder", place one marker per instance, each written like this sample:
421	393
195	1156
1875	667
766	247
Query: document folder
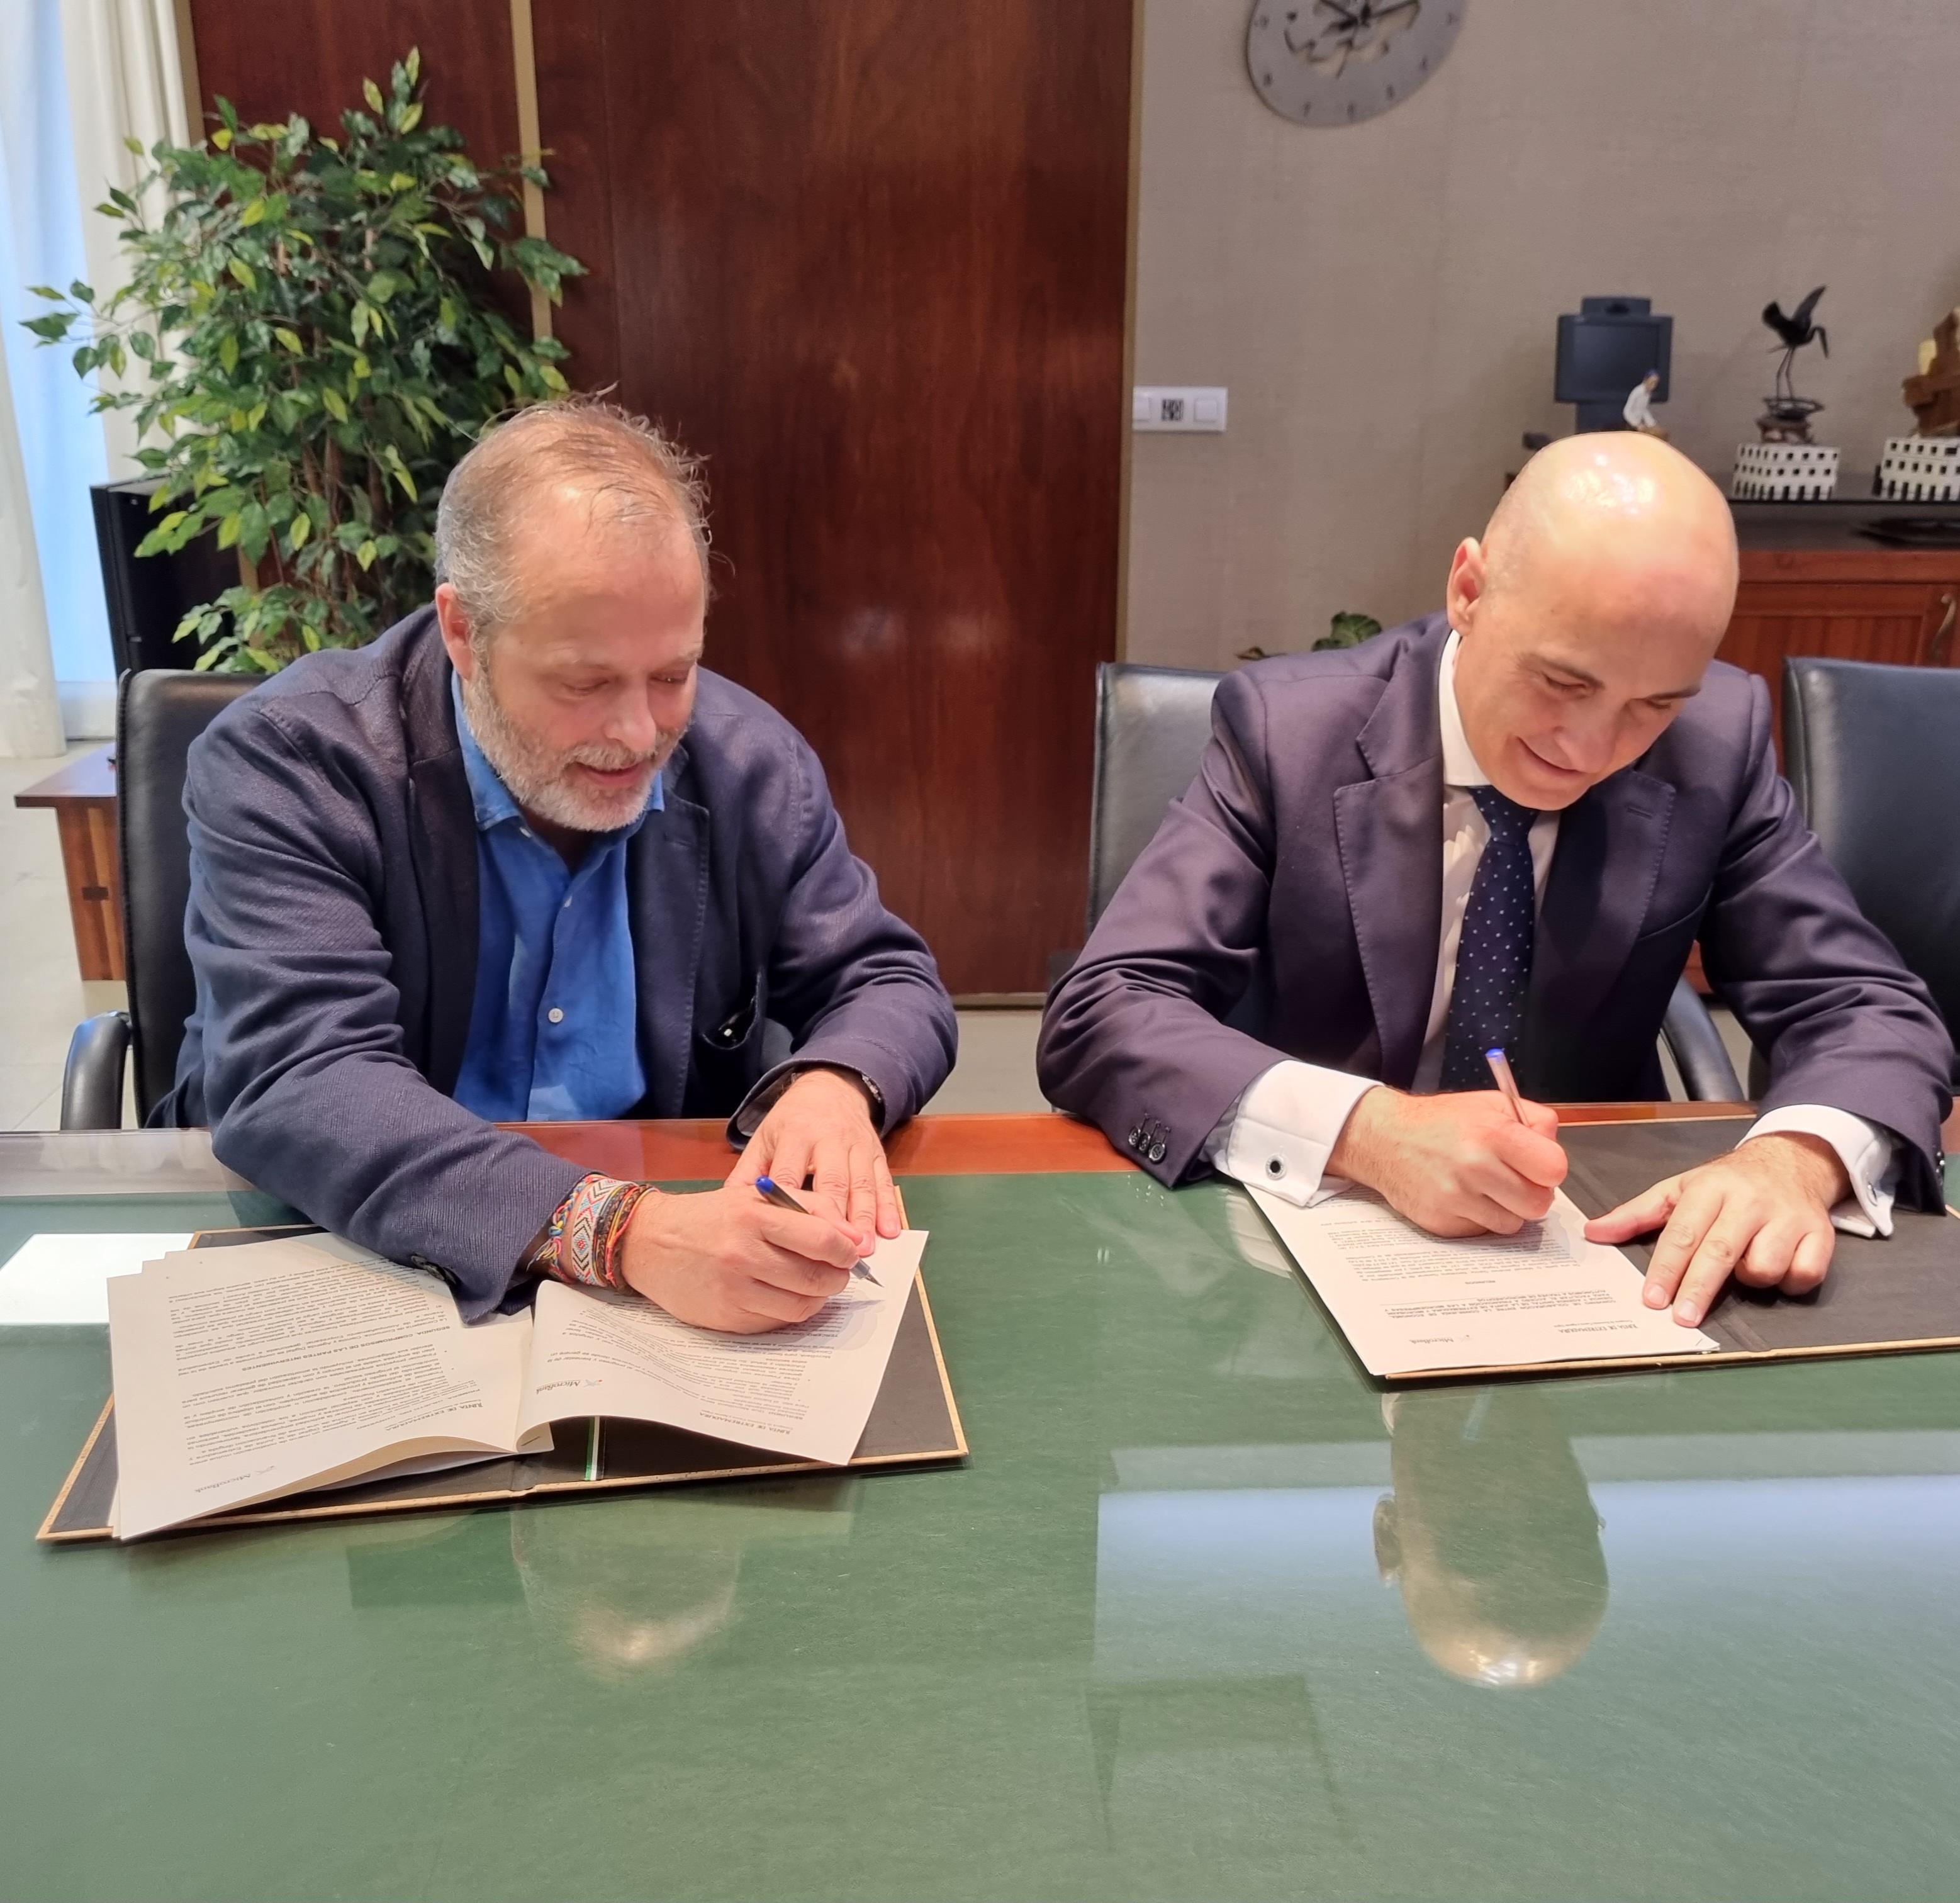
915	1422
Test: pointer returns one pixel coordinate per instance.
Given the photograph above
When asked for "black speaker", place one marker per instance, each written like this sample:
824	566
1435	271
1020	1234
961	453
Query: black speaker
148	595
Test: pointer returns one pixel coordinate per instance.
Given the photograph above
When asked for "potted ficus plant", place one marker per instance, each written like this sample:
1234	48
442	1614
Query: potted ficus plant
316	339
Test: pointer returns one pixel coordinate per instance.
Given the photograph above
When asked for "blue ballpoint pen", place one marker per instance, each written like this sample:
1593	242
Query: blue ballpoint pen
775	1193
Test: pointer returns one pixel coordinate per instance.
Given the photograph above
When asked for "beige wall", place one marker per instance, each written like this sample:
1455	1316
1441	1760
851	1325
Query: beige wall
1381	298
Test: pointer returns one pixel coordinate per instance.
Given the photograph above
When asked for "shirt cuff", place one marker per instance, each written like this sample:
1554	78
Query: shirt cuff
1867	1152
1279	1134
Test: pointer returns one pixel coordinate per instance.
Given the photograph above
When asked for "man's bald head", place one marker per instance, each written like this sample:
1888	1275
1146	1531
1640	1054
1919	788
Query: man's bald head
1616	501
1588	612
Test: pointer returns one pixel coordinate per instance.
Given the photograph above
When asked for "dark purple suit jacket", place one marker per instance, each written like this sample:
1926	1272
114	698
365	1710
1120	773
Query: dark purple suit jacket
333	925
1290	905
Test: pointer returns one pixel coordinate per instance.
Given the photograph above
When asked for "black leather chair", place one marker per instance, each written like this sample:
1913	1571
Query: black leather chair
158	713
1151	725
1873	754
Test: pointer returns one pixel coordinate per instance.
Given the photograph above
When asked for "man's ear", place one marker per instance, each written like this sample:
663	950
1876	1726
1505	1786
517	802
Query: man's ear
455	626
1469	580
1388	1541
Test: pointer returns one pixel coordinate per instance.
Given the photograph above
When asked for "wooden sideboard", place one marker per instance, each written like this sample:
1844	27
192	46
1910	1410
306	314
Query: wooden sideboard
1812	584
82	796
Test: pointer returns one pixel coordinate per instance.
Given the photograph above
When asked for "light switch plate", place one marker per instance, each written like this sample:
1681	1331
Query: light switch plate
1184	408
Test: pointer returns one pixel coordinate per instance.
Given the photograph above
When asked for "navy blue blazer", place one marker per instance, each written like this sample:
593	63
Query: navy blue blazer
333	926
1290	905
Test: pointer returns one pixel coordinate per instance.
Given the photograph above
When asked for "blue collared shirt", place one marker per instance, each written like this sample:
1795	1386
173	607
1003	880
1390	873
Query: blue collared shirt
553	1028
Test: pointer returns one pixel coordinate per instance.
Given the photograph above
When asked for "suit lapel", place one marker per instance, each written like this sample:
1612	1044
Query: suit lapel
1590	915
1390	830
666	884
442	825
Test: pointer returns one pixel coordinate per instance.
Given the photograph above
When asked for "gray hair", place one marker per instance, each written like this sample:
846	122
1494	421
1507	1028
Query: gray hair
626	468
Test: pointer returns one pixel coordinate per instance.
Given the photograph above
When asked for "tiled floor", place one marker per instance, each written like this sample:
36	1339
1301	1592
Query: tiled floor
42	996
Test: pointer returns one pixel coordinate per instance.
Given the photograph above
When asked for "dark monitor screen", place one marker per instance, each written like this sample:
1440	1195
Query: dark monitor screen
1601	358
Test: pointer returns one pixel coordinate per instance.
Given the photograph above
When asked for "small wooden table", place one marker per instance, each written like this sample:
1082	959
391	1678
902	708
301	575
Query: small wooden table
83	796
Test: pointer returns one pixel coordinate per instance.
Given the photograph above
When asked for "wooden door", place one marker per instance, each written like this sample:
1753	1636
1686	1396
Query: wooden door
869	257
1895	605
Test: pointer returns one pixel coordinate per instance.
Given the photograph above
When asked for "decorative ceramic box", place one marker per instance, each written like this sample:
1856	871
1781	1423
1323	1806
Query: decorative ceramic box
1920	469
1783	472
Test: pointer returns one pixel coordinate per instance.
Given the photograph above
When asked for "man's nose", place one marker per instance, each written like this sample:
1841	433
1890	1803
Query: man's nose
635	722
1584	746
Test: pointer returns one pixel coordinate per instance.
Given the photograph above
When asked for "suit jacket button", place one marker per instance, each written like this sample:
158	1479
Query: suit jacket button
1157	1150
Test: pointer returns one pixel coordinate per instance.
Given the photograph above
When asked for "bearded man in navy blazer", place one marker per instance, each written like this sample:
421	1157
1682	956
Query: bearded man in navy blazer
524	859
1506	825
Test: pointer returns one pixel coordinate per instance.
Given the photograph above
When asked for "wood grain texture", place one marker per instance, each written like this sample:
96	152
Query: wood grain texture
869	256
310	57
1875	604
1012	1143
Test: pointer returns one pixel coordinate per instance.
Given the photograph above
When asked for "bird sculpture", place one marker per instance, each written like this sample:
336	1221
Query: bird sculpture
1795	330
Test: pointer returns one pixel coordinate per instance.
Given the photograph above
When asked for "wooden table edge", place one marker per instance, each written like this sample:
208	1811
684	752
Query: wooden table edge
964	1143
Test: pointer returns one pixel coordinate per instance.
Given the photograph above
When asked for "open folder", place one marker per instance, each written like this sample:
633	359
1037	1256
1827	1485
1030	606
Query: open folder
1415	1307
297	1376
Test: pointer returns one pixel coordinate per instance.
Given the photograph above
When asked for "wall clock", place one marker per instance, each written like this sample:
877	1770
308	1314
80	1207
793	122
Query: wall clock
1332	63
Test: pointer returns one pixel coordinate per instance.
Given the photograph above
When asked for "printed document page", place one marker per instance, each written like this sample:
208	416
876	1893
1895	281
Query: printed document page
806	1390
245	1372
1409	1302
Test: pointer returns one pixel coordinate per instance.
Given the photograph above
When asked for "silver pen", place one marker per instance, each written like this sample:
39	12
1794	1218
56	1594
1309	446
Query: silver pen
1500	1069
774	1192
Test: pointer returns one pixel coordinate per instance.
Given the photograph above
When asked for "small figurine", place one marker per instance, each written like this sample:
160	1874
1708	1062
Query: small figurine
1638	410
1785	417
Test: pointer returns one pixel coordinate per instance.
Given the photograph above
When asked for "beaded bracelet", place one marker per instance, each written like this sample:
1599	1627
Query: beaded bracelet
580	1243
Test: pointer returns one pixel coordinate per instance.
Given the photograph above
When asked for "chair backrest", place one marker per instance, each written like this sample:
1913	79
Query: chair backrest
158	713
1873	753
1151	727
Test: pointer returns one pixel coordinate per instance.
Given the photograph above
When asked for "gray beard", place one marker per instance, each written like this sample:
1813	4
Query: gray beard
539	779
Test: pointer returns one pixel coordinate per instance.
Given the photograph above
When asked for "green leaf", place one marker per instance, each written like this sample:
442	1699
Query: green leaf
227	532
372	93
302	527
365	554
413	65
253	212
227	354
382	286
222	138
81	293
412	117
244	273
336	404
290	339
131	143
363	315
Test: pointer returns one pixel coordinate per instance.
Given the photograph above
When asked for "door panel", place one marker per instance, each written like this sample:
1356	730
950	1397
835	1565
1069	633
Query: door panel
868	256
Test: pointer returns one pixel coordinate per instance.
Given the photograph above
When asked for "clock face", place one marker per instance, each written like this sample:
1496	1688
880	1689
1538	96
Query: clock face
1331	62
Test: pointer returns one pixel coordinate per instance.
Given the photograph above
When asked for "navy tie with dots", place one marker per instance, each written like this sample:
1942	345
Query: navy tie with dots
1486	1009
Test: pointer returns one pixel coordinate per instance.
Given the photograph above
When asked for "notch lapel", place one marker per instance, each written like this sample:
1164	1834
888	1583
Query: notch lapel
1611	841
1390	832
667	881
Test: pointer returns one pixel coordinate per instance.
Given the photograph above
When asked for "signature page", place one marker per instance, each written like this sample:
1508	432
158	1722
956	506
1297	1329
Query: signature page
1411	1303
806	1390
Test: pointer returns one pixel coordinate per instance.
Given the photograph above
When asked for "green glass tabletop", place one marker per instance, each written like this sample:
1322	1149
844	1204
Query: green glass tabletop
1207	1614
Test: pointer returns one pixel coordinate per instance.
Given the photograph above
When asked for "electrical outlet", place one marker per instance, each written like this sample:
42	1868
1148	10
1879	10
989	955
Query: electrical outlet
1181	407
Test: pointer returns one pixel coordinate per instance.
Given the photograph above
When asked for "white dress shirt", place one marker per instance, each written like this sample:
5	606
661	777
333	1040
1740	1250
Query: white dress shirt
1281	1132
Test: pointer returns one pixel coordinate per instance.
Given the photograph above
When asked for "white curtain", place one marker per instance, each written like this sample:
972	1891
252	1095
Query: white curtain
75	76
124	80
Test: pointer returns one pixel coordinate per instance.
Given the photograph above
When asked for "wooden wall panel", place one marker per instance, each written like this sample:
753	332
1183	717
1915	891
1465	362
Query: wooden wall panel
273	58
868	256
